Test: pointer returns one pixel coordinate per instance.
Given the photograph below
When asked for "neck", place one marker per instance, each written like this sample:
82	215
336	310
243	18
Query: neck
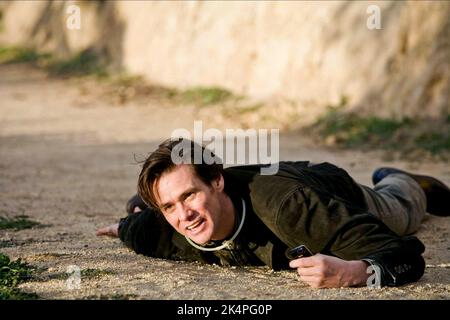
229	216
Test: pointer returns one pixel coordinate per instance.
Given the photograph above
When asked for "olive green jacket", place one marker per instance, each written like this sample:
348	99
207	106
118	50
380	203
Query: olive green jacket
319	206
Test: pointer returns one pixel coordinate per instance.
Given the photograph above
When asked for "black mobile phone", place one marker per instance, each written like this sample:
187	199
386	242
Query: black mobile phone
298	252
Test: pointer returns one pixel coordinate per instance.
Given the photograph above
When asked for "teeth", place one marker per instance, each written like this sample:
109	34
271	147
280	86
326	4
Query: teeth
192	226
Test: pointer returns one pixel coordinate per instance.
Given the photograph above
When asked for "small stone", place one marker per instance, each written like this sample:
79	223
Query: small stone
181	283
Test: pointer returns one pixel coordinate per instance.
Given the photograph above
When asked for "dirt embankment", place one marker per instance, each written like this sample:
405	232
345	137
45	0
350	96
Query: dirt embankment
313	53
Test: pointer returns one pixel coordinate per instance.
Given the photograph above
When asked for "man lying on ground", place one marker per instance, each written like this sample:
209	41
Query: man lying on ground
238	216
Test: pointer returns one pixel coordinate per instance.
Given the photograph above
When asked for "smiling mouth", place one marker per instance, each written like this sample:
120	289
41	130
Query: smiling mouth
194	225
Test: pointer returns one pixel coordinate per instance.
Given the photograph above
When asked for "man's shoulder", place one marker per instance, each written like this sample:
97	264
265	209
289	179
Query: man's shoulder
251	177
266	192
255	169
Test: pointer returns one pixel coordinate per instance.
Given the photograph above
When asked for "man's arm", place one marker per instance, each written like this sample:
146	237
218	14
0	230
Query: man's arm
111	231
330	227
134	205
148	233
322	271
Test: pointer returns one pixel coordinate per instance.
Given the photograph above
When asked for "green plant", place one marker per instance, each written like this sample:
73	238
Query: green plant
94	273
16	294
13	273
85	274
6	243
350	130
10	55
84	63
117	296
17	223
249	109
204	96
433	142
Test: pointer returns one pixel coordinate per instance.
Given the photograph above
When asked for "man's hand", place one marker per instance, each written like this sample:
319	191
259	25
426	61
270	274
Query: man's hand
111	231
322	271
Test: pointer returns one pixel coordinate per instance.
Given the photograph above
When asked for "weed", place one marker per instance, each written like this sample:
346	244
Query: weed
12	273
84	63
17	223
6	243
94	273
20	55
117	296
353	131
249	109
85	274
16	294
433	142
203	96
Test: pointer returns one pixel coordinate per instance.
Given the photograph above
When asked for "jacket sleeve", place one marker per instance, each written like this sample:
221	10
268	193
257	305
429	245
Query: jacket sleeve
332	227
147	232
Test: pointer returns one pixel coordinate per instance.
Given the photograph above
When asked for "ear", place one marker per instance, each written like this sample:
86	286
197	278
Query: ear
219	184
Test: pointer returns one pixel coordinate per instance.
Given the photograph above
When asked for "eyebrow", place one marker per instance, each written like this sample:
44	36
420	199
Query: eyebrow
181	196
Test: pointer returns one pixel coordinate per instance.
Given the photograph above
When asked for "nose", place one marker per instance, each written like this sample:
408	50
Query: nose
185	213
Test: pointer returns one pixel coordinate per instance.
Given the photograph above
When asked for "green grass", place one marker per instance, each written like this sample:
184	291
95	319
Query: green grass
6	243
433	142
85	274
9	55
203	96
353	131
94	273
83	63
17	223
12	273
16	294
200	96
88	63
253	108
116	296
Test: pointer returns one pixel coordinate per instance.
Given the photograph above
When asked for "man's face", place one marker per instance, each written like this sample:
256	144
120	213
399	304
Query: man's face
192	207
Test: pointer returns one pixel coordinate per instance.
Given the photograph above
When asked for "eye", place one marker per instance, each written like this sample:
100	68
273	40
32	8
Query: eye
190	196
168	208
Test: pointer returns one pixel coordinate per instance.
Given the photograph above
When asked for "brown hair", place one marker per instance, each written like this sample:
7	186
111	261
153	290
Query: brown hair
160	162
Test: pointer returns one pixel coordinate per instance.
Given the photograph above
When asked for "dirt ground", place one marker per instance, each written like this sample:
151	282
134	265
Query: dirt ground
67	160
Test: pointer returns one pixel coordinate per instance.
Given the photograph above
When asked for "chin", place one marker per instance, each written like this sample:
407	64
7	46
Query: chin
203	236
201	239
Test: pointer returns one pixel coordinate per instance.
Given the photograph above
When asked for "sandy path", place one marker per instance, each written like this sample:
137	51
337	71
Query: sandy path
66	160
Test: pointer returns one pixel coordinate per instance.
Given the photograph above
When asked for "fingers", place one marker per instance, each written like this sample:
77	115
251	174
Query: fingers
101	231
304	262
111	231
310	270
323	271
